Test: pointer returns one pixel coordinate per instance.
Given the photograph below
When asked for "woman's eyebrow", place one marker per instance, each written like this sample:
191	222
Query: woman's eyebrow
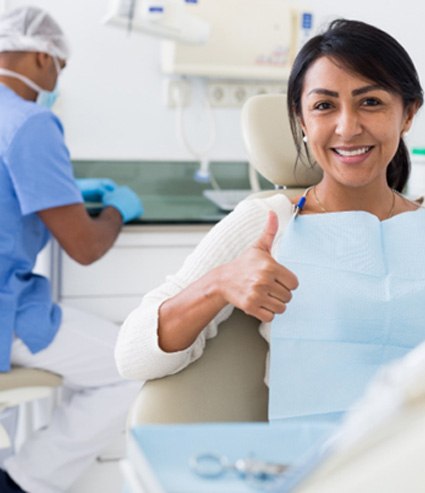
325	92
365	89
354	92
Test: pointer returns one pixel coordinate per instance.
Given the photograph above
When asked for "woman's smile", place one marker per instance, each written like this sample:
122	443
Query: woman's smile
352	154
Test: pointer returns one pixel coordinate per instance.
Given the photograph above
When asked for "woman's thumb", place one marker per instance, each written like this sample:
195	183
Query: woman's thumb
265	241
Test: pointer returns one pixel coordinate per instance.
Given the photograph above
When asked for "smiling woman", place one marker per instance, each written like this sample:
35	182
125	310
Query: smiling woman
337	288
352	95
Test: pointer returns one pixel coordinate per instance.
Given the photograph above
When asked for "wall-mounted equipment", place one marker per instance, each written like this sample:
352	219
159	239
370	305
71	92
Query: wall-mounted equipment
249	39
170	19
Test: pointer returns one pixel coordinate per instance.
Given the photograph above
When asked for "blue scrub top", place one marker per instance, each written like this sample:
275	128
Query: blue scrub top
35	174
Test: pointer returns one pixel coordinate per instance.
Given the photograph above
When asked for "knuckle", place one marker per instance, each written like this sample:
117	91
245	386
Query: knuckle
248	312
250	299
281	309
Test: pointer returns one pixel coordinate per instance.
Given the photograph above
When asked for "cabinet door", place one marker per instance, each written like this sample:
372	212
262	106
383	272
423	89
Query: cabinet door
140	260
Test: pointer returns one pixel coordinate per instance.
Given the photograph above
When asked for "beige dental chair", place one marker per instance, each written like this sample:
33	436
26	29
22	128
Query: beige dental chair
227	382
22	385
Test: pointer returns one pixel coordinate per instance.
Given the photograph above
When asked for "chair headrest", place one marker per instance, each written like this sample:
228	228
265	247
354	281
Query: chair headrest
268	139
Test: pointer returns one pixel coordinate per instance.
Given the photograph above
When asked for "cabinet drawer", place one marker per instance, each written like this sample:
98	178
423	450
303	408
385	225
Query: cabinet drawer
115	308
137	263
122	271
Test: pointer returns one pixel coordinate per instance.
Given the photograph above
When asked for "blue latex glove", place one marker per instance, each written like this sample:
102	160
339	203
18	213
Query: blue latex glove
126	201
93	189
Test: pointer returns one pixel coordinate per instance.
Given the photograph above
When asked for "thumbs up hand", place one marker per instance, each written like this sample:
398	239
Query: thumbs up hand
265	241
257	284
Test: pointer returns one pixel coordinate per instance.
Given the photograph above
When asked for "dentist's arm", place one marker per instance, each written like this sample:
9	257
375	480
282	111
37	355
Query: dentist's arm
86	239
254	282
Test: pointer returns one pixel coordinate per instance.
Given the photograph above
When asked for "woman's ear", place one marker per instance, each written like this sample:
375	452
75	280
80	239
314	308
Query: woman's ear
301	122
303	128
410	113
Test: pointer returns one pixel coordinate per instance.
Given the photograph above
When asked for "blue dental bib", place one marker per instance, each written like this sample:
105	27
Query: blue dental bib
359	305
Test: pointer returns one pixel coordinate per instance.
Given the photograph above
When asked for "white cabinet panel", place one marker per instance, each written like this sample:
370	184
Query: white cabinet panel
113	308
140	260
122	271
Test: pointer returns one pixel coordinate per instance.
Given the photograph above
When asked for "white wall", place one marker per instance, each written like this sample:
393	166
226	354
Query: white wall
112	90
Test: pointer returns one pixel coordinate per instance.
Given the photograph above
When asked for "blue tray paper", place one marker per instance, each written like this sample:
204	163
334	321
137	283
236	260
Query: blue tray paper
160	453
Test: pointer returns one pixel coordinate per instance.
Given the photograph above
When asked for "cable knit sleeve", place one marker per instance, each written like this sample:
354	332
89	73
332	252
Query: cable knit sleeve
138	355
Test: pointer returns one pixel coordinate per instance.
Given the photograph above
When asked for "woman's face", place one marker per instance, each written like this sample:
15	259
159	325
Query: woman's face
353	125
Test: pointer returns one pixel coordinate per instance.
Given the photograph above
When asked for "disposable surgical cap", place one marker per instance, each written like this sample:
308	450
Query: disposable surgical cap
32	29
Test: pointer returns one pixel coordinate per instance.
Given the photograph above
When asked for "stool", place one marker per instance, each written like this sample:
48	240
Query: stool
22	385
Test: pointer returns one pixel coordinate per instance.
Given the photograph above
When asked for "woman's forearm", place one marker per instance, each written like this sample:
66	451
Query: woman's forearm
184	316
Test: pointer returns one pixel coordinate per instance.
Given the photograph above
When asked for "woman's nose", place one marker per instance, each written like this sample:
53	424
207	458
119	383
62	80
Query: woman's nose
348	124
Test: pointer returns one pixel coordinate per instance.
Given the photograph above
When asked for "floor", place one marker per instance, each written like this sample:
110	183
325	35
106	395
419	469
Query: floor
105	474
105	478
102	476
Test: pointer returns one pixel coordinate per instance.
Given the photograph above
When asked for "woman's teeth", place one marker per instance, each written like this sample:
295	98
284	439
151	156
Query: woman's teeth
352	152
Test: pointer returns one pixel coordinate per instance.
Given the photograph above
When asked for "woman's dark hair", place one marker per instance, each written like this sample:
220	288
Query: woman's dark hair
371	53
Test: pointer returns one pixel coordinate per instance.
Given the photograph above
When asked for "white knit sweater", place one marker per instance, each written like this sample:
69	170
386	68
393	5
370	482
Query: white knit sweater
138	354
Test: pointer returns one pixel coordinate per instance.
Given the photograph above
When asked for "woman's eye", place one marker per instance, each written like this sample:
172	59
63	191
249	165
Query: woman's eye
322	106
371	102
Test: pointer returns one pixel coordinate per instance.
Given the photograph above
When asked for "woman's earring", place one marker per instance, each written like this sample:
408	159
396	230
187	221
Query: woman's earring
403	134
305	140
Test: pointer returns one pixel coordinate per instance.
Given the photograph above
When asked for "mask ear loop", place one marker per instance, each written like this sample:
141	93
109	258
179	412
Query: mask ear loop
31	84
57	65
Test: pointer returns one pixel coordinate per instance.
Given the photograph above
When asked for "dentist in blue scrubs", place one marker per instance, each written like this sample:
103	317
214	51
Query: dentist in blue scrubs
39	198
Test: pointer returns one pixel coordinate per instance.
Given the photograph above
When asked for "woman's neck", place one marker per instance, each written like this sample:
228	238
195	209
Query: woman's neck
336	198
383	202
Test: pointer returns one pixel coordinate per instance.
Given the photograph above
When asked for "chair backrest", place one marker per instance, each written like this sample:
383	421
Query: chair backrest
270	145
225	384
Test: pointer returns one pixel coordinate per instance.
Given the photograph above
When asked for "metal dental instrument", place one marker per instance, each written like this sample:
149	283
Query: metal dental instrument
257	471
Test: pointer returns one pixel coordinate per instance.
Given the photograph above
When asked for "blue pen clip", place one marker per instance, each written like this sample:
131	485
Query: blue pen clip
299	207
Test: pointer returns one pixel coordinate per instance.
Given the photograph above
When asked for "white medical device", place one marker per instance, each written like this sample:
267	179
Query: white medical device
232	39
249	40
170	19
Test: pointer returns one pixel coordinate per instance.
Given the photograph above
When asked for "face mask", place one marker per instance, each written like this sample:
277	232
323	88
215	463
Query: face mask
44	98
47	98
